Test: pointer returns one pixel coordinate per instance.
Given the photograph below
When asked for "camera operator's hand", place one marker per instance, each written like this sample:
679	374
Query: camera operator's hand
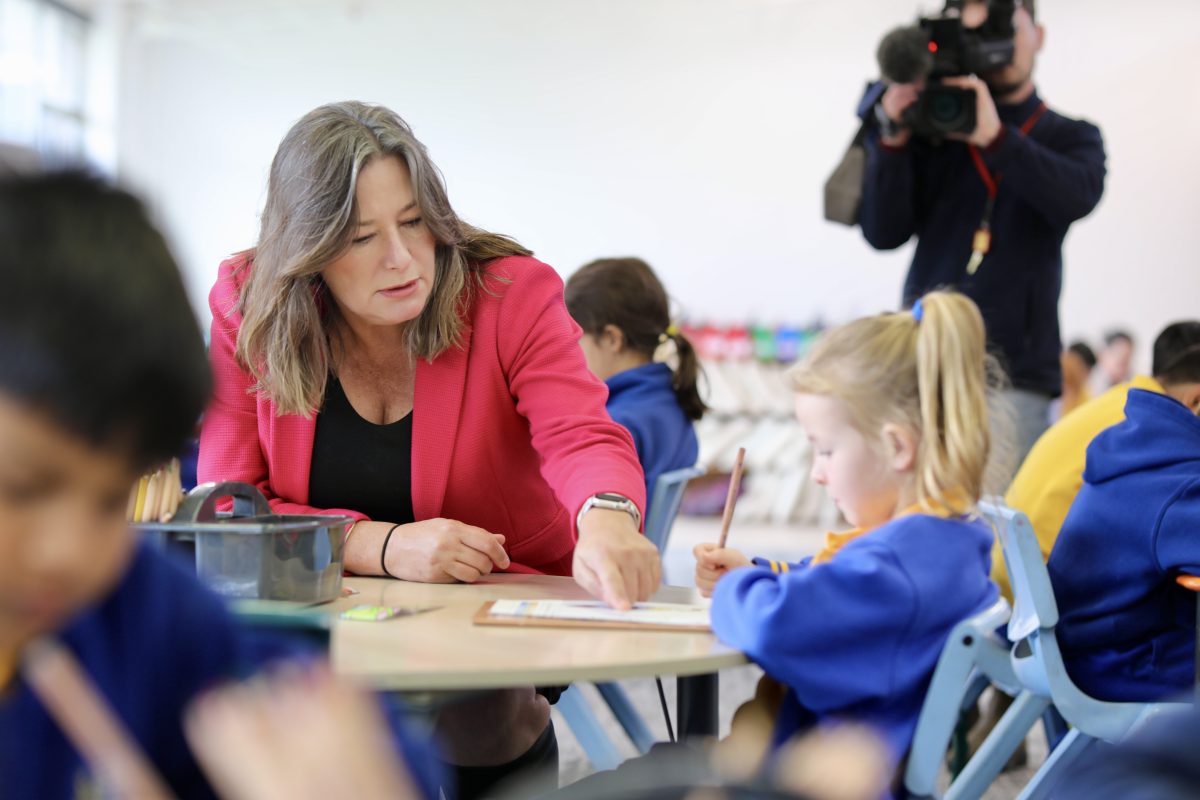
987	119
895	101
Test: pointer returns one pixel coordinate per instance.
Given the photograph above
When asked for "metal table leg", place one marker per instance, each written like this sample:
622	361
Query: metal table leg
696	706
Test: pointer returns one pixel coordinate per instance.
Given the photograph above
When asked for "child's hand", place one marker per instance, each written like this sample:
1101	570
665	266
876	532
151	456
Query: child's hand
298	734
712	562
808	765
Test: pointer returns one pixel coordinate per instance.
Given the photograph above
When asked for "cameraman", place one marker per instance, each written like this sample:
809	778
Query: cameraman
1042	172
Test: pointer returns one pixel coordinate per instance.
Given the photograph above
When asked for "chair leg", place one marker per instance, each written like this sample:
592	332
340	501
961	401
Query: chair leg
1056	727
960	746
635	727
996	749
595	742
978	685
1044	782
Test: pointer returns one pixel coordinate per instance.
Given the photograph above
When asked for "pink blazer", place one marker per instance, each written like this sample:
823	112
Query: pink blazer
509	431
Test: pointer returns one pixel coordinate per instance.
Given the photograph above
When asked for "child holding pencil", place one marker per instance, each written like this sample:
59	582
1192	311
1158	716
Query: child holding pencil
103	642
895	407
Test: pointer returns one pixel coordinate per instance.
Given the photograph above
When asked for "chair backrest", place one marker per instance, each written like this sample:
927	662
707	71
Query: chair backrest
664	505
1034	606
971	650
1036	658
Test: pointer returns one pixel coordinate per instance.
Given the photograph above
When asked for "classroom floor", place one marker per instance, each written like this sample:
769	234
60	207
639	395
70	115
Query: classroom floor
736	685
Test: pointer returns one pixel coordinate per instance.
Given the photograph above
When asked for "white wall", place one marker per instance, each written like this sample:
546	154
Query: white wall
695	133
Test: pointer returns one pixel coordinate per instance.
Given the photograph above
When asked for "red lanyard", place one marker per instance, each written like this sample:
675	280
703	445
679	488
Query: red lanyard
982	241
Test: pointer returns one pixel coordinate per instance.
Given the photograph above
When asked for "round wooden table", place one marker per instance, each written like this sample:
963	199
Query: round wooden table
442	649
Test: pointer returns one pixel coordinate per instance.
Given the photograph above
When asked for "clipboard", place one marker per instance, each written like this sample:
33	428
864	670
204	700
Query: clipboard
484	616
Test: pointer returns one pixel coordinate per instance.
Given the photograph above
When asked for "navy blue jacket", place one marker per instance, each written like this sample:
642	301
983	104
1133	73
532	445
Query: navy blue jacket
1049	179
857	638
643	400
151	646
1127	631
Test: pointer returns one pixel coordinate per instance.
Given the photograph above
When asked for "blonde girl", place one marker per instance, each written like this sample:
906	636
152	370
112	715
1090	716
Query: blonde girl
896	409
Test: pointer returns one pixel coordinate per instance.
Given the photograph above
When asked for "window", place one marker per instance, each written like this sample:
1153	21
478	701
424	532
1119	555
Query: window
43	47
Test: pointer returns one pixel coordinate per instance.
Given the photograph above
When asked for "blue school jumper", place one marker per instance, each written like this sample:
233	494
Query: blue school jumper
643	400
151	646
1127	631
857	638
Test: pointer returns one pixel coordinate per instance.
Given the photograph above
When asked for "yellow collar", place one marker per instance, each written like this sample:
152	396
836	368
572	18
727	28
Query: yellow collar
1147	383
834	542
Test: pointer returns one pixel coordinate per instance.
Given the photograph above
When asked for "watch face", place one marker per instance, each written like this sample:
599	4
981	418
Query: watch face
612	498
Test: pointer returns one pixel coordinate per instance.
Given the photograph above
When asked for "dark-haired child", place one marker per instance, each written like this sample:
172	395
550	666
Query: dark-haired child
1052	473
102	375
1127	631
625	315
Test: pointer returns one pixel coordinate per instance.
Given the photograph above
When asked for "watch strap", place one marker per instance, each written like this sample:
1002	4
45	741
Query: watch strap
612	502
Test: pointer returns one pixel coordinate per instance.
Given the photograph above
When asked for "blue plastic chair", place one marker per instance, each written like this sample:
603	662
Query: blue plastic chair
664	505
1038	664
973	657
600	750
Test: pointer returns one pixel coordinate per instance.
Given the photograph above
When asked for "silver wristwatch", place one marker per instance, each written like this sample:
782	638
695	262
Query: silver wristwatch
612	502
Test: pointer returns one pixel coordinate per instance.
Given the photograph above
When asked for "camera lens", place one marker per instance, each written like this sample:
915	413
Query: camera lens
945	109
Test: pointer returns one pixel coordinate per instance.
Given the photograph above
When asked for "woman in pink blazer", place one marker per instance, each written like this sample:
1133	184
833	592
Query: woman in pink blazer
378	357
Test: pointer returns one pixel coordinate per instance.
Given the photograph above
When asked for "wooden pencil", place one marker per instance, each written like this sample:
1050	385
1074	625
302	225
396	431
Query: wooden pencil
133	497
74	702
735	481
176	489
153	491
170	489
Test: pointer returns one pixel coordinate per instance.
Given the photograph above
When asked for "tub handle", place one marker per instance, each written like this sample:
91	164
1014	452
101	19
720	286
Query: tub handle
201	503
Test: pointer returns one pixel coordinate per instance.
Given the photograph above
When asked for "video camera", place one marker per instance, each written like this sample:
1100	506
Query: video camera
940	47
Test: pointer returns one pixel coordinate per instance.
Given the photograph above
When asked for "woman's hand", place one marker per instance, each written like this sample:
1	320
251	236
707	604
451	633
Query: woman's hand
712	562
613	561
444	551
298	735
430	551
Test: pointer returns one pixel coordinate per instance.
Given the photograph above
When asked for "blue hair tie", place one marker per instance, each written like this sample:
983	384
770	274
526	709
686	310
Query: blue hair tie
918	310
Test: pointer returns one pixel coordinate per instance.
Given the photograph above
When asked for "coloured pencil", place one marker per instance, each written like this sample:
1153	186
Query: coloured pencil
140	504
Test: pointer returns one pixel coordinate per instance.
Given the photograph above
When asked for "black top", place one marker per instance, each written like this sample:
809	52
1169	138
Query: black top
1049	178
358	465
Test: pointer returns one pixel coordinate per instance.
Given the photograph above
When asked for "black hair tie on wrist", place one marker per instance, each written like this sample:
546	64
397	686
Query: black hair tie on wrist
383	552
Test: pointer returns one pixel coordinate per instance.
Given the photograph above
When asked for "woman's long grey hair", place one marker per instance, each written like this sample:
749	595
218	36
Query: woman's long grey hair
308	221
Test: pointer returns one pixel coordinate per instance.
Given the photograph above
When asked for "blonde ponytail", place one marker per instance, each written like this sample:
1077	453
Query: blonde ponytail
927	370
952	390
